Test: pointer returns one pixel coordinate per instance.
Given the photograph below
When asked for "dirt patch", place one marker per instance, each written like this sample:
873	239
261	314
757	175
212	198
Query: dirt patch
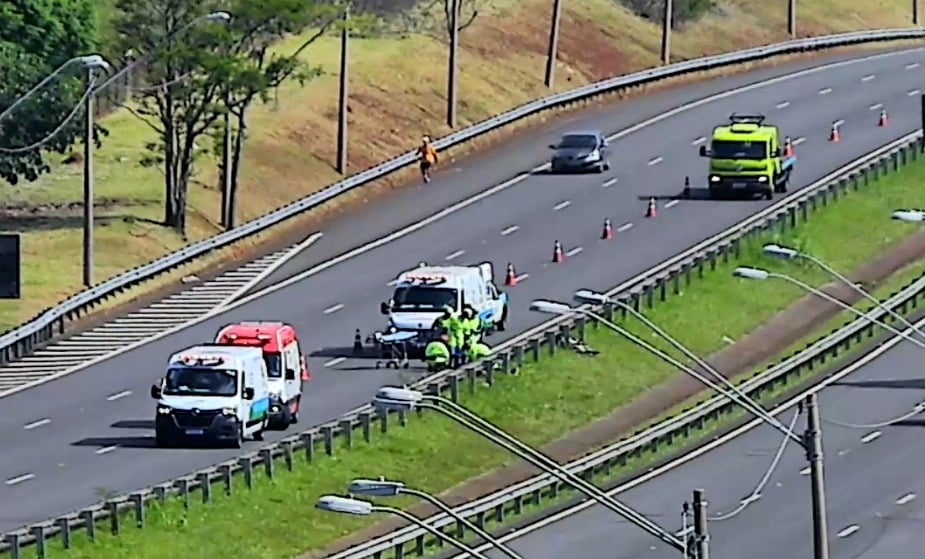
787	328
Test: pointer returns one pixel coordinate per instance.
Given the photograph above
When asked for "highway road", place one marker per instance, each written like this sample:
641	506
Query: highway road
874	483
67	441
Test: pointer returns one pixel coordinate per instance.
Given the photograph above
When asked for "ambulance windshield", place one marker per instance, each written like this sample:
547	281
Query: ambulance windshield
420	298
195	381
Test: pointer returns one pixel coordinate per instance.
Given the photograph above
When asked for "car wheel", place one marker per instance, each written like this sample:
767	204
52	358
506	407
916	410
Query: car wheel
162	440
607	166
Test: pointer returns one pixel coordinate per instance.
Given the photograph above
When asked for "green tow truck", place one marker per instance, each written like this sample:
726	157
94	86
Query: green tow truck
747	158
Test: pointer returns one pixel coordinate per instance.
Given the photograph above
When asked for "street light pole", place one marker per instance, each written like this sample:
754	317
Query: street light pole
553	47
388	398
89	197
702	538
814	455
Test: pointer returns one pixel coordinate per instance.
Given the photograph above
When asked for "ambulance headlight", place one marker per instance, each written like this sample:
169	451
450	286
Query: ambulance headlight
229	411
714	178
163	410
762	179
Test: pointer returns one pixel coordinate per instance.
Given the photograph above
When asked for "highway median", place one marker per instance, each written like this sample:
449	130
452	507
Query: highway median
544	401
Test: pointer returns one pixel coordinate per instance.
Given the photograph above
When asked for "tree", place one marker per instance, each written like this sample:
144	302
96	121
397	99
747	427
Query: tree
435	17
35	39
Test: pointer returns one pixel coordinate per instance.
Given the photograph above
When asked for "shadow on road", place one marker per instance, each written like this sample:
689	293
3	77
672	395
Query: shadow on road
914	384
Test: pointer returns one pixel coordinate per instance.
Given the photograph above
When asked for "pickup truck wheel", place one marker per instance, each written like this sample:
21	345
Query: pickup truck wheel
769	194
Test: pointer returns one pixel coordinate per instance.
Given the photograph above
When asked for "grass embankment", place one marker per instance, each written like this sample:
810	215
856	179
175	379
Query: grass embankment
543	403
397	93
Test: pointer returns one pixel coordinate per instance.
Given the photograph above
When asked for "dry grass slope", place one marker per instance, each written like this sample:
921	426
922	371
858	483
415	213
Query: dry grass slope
397	93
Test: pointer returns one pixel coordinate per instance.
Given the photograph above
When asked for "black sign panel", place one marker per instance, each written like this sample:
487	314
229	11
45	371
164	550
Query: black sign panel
9	266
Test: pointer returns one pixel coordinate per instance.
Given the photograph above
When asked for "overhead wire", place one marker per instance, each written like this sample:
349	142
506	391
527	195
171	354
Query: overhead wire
54	133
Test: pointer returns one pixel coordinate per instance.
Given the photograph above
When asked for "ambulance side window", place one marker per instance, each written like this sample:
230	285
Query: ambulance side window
292	357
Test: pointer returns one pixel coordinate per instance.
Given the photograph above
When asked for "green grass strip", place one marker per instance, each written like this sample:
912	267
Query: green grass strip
548	399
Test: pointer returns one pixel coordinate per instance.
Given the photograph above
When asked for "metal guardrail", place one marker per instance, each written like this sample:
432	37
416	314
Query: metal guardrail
53	321
647	290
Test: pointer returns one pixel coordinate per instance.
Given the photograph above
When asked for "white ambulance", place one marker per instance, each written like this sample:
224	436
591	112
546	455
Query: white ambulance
212	393
421	295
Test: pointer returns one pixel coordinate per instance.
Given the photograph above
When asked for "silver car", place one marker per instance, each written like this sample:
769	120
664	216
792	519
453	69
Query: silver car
579	152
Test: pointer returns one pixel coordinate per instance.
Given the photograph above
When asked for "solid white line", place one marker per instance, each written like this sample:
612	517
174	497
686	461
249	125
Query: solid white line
656	160
457	207
393	283
671	203
562	205
699	141
868	78
575	251
454	255
609	182
713	444
912	65
19	479
783	105
848	531
34	424
625	227
798	141
335	361
106	449
334	308
905	499
118	395
871	437
876	106
510	230
825	91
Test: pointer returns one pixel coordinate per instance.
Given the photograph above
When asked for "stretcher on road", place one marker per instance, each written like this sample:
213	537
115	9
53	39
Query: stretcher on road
395	349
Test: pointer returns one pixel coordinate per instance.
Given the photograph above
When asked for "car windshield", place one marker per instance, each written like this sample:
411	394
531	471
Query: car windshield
723	149
274	363
423	298
572	141
196	381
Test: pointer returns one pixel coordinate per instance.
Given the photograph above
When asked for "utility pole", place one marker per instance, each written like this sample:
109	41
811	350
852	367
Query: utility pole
666	33
792	18
915	12
453	65
922	111
88	181
227	204
701	536
814	455
343	97
552	54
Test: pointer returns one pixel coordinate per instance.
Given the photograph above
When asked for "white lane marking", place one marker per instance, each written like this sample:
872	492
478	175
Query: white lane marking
509	230
845	532
609	182
783	104
625	227
699	141
562	205
876	106
405	231
914	92
868	78
839	122
393	283
671	203
106	449
871	437
336	361
34	424
19	479
798	141
334	308
825	91
805	471
656	160
574	251
905	499
712	445
455	255
521	277
118	395
912	65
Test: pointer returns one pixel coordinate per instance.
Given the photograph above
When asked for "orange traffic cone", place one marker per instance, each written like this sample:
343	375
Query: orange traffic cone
608	230
788	147
510	278
651	210
306	374
884	120
834	135
557	255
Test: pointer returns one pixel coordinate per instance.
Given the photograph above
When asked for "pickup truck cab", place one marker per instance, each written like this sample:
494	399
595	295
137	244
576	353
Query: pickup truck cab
422	294
287	368
746	158
212	394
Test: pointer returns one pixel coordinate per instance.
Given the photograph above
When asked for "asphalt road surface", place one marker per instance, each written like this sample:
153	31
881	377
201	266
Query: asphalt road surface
874	484
68	441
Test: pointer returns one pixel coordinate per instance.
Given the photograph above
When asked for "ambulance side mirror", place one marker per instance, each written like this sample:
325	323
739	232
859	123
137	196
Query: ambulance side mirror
155	392
290	374
384	308
703	151
248	393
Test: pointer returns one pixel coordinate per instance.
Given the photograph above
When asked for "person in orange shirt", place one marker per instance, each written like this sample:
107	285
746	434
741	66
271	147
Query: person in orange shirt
428	155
